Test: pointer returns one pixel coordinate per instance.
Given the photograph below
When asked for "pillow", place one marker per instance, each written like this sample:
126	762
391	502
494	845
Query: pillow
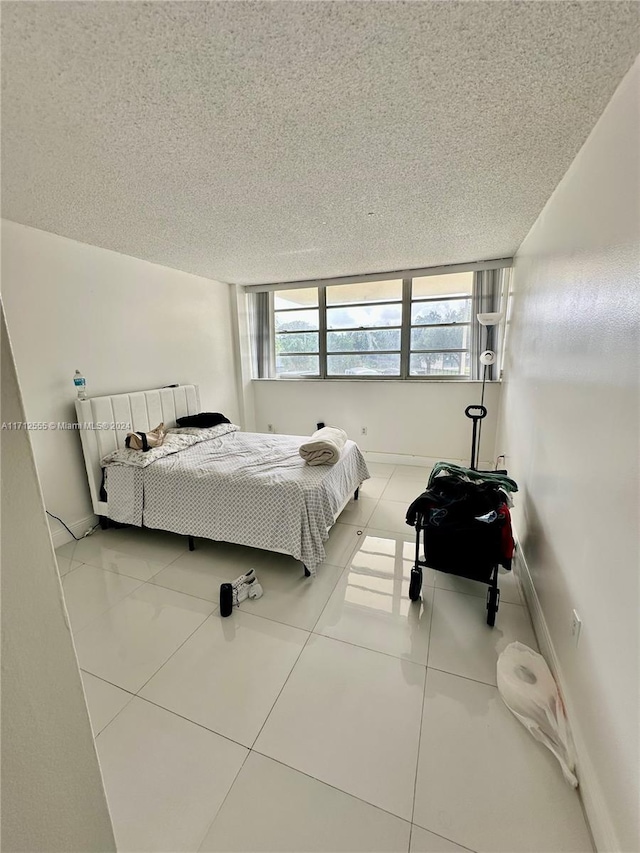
203	420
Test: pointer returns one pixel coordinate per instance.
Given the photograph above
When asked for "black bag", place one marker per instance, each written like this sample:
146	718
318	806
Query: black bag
451	500
455	541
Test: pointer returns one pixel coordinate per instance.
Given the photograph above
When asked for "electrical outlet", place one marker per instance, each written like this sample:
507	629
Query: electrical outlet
576	627
270	428
363	430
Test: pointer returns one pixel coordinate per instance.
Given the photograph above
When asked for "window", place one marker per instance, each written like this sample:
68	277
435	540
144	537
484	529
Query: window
441	325
364	327
297	332
406	328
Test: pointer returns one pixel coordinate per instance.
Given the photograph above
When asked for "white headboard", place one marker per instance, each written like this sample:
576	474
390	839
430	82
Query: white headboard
140	411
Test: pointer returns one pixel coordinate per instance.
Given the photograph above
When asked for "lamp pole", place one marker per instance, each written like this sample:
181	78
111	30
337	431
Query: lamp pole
487	358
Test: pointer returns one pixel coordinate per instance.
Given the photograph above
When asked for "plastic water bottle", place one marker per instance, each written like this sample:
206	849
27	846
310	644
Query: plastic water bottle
81	384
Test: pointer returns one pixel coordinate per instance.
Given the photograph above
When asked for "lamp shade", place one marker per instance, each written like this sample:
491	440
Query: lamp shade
491	319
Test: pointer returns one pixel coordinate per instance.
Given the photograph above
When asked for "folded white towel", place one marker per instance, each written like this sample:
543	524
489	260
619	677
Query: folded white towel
324	447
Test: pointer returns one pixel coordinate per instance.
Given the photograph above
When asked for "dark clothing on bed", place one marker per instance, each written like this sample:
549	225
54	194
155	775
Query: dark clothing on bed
203	420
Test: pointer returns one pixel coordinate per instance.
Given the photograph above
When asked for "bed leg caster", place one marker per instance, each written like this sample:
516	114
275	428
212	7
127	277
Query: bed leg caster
356	494
107	524
192	544
307	573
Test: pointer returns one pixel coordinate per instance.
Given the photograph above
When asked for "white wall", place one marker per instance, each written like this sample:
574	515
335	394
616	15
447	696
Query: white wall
125	323
52	794
570	427
424	419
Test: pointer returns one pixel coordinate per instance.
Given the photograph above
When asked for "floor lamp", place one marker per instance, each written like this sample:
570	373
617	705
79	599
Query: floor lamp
487	358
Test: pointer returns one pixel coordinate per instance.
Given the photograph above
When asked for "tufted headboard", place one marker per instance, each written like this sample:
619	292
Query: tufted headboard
119	414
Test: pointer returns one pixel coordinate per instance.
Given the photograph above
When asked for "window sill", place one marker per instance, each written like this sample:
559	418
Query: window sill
411	381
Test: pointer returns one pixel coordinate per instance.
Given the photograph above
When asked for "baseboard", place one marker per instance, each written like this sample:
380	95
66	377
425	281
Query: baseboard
425	461
61	536
595	807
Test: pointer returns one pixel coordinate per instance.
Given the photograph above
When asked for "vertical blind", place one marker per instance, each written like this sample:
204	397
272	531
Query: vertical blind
487	288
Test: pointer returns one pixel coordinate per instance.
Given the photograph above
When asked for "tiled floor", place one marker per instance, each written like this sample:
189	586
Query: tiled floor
330	715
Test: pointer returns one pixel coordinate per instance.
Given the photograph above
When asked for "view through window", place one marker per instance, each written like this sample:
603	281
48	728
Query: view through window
297	335
364	323
403	328
441	325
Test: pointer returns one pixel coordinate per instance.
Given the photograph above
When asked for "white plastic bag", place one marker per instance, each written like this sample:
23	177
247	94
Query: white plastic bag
530	692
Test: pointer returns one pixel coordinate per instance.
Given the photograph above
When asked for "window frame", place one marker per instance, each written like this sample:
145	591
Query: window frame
274	336
398	328
464	324
406	326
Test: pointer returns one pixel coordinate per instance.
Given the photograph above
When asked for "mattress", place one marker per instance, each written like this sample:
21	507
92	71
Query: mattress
247	488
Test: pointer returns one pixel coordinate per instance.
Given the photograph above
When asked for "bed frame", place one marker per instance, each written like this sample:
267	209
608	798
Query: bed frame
139	411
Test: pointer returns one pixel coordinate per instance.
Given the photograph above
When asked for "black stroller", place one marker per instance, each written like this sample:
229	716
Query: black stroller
465	524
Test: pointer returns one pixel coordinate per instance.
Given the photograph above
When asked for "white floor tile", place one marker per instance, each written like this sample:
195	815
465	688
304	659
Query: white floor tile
104	701
484	782
201	572
461	641
373	487
344	713
404	489
412	472
350	717
131	641
428	842
383	543
343	539
370	605
289	596
507	583
116	561
228	674
292	813
65	565
358	512
154	546
390	515
165	778
89	591
381	469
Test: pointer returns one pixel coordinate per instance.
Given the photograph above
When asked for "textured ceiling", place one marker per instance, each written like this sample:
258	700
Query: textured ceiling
272	141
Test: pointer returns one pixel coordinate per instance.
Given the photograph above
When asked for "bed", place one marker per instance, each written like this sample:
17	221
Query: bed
222	483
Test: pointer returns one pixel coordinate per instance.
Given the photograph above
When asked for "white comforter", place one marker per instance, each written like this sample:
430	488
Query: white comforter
248	488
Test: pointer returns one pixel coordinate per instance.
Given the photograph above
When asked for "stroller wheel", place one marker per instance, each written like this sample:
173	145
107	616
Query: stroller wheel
415	584
493	601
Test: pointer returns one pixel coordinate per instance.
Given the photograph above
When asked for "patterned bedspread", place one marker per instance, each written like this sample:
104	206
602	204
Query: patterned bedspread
248	488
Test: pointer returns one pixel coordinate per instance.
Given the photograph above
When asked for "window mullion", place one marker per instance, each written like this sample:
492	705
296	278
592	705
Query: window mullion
322	338
405	336
272	337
